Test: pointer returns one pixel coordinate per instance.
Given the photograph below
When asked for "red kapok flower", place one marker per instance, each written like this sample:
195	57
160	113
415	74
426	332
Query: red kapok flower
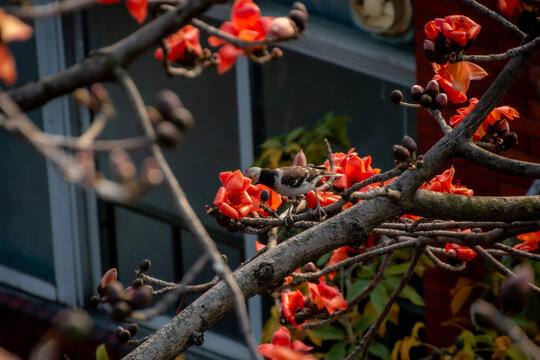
325	198
511	9
138	9
460	74
462	253
353	168
326	296
181	45
11	29
247	24
273	202
234	197
443	183
291	302
530	241
458	29
508	112
454	95
282	348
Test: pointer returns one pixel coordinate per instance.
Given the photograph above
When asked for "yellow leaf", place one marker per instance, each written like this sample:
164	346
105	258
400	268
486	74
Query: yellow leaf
459	298
180	357
101	353
316	340
406	345
395	350
417	328
459	322
393	314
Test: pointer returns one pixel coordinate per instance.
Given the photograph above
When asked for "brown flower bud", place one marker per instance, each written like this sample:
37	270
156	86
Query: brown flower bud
299	6
416	92
299	18
401	153
408	143
121	311
99	91
166	102
282	28
110	276
150	172
300	317
181	118
142	297
122	335
168	135
154	115
133	329
510	140
426	100
310	267
145	265
115	292
121	164
83	97
396	97
432	87
265	195
300	159
441	99
276	53
137	283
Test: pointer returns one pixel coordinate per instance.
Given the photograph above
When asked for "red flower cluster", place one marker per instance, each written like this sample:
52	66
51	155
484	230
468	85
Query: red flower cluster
291	303
509	112
246	24
530	241
183	46
443	183
138	9
462	253
457	29
353	168
238	197
326	296
282	348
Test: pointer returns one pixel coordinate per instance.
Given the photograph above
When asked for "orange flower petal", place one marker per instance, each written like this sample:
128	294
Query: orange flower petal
13	29
8	70
227	57
137	9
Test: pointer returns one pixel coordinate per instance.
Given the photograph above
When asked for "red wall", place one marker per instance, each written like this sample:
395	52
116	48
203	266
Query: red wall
524	97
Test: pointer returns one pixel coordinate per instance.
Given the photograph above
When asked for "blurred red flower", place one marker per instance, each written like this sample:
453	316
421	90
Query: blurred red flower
326	296
282	348
458	29
182	45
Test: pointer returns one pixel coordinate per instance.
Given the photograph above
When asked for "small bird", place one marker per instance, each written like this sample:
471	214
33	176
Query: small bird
289	180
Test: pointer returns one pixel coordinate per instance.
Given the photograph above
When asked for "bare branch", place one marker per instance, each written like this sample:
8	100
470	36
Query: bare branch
437	115
504	56
514	30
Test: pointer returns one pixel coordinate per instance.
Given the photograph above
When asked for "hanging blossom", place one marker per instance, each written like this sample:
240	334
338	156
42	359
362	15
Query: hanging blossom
504	112
462	253
354	168
246	24
457	29
182	46
455	78
11	29
291	303
235	197
530	241
138	9
511	9
326	297
443	183
282	348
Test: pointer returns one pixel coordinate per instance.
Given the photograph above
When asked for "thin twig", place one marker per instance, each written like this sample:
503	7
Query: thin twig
442	264
504	56
437	115
186	213
96	145
50	9
368	337
514	30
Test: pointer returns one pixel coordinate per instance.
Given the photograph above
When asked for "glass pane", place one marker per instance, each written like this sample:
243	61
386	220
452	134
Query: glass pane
25	223
140	237
299	90
209	148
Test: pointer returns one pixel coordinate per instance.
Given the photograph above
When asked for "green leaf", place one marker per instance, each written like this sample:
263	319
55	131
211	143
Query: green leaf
101	353
272	143
356	288
379	350
294	135
391	282
410	293
398	269
378	298
329	333
468	337
323	259
336	352
515	353
364	323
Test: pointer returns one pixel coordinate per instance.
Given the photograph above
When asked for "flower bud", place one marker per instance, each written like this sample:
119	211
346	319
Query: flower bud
408	143
108	278
401	153
83	97
441	99
299	6
426	100
142	298
396	97
121	164
145	265
181	118
95	300
121	311
310	267
137	283
299	18
122	335
416	92
99	91
150	172
115	292
168	134
265	195
225	258
510	140
300	317
154	115
133	329
432	87
282	28
300	159
429	51
276	53
166	102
